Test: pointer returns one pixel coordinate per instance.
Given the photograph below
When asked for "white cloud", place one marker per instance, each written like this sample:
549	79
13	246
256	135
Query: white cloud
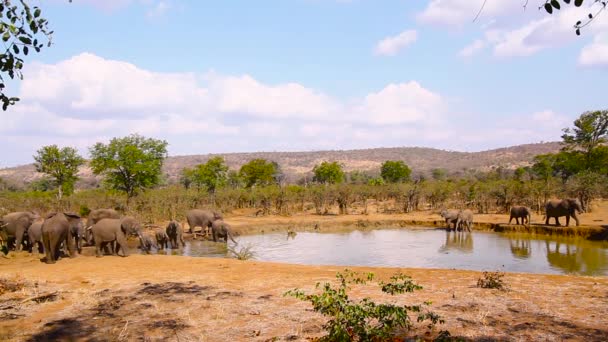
472	49
87	98
596	53
459	12
159	9
390	46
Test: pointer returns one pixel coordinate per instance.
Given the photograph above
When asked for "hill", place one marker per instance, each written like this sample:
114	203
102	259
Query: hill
297	164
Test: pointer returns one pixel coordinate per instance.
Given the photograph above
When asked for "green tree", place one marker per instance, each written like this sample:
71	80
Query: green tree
439	174
130	164
395	171
590	131
23	29
211	175
551	6
328	173
61	165
258	172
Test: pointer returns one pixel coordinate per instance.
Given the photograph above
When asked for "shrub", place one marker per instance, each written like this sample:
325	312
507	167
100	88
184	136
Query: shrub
365	320
242	253
492	280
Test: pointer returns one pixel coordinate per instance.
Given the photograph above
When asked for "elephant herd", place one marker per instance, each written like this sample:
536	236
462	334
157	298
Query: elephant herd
105	229
463	219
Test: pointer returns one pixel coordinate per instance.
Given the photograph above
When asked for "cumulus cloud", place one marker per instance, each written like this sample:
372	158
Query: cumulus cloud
390	46
459	12
472	48
596	53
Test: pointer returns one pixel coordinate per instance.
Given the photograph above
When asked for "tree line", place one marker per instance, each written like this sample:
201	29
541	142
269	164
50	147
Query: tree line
131	168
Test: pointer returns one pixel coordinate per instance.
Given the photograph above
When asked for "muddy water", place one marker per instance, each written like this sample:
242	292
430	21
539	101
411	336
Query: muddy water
424	248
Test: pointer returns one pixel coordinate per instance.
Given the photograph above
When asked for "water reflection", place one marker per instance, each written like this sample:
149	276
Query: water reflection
576	259
520	248
460	241
430	248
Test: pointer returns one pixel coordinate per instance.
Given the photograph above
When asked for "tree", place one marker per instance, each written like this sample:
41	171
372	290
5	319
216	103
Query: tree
395	171
129	164
439	174
551	5
61	165
211	175
23	29
590	131
258	172
328	173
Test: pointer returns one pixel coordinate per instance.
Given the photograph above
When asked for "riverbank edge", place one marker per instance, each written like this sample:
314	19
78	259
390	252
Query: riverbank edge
590	232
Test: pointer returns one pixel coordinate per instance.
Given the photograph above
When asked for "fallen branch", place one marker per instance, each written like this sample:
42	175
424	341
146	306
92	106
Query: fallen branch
40	298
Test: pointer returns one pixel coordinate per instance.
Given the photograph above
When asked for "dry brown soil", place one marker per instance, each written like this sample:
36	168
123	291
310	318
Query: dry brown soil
175	298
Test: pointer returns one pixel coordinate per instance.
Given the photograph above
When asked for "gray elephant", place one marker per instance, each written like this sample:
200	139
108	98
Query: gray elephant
34	234
566	207
450	217
107	231
175	233
162	240
148	243
518	212
15	226
201	218
96	216
222	230
57	230
464	219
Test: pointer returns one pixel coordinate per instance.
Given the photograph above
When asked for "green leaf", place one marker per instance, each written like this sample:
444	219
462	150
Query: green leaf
578	3
25	40
6	36
15	48
549	8
25	50
555	4
37	12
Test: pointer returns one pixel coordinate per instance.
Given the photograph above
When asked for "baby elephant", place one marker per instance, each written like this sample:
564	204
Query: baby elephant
148	243
221	230
450	216
464	219
161	238
175	234
520	212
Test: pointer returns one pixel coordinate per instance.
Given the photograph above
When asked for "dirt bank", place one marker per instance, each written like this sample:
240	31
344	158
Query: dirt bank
178	298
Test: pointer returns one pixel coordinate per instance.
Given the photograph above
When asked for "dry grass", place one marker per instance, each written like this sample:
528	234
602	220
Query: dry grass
196	299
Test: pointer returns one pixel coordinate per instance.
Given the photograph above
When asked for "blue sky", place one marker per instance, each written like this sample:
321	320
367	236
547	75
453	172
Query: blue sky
231	76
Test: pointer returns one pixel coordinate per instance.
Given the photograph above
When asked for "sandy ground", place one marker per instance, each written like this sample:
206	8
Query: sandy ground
196	299
176	298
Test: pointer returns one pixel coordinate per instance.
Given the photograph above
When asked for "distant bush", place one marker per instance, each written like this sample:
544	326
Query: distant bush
242	252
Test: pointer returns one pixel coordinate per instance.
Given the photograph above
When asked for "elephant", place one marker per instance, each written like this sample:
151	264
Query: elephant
464	219
566	207
110	230
162	240
148	243
520	212
16	224
450	216
34	234
96	216
175	233
201	218
57	229
222	230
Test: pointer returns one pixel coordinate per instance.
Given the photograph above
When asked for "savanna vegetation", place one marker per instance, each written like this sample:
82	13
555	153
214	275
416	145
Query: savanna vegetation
133	181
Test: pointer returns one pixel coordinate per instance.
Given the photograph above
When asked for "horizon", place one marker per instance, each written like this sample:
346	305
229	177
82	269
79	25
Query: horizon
253	77
321	151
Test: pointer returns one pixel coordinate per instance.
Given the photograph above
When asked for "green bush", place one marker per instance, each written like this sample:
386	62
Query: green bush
492	280
366	320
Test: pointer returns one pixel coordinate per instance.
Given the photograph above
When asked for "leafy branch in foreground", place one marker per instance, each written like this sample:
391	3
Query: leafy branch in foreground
366	320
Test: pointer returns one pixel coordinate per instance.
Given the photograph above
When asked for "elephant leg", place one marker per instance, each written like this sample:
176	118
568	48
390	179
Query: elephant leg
576	219
181	239
121	242
567	220
510	219
99	246
19	238
547	220
557	221
47	249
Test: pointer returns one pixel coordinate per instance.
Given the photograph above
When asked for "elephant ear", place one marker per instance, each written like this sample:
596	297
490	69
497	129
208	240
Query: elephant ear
51	214
71	215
